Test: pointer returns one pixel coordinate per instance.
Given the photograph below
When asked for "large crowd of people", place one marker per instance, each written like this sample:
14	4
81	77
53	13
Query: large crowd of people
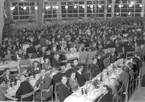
53	42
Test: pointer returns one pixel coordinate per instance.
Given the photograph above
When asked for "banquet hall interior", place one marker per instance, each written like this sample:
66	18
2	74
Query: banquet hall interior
72	50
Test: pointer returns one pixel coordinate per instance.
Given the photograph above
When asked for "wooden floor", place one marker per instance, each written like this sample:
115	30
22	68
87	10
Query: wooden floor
139	95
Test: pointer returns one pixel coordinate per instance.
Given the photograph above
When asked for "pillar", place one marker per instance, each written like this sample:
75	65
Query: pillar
112	8
59	11
85	9
40	13
105	10
1	18
143	8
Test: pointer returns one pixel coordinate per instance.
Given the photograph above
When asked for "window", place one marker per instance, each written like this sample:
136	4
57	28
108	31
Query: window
72	9
100	8
128	8
23	10
90	8
50	10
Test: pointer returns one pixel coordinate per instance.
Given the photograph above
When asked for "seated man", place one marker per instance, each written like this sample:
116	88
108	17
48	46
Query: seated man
95	70
25	88
80	77
57	77
3	94
44	82
63	90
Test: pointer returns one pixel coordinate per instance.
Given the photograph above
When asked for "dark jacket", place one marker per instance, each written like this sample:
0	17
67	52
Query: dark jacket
25	87
95	70
57	77
69	72
81	79
63	92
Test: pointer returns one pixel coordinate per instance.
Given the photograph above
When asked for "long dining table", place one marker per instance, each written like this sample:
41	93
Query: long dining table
91	93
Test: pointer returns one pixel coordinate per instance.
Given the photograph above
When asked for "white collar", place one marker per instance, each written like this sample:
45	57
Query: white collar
79	72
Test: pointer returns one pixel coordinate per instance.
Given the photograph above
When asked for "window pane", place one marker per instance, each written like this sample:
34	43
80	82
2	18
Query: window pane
15	17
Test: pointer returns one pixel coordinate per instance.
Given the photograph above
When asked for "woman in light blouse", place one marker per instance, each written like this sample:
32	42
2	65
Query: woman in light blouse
73	82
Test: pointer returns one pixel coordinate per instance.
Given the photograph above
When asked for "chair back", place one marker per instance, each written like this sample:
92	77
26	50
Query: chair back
55	90
120	94
50	89
130	54
121	54
101	97
27	95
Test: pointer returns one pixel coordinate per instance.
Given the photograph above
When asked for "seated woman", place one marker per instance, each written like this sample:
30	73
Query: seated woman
35	69
73	82
3	93
46	64
25	87
8	77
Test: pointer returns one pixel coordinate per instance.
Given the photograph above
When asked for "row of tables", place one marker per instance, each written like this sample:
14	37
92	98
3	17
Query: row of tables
91	93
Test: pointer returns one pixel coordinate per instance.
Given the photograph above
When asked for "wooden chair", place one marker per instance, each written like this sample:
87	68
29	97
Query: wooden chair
101	97
136	80
120	94
46	90
28	95
121	54
55	91
139	78
129	54
126	93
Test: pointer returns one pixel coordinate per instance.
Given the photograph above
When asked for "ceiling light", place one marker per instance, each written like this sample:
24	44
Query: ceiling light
109	6
47	7
12	8
36	8
66	7
24	7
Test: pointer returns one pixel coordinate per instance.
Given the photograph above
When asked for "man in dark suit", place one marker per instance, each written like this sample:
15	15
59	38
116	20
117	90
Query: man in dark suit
25	87
95	70
80	77
55	60
69	70
75	63
57	77
63	90
44	82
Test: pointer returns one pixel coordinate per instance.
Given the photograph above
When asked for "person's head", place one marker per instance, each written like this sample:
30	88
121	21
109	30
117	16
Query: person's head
2	82
43	72
95	60
125	69
25	71
7	71
46	60
64	79
14	58
63	67
80	68
56	56
23	77
36	64
75	62
8	52
73	75
68	65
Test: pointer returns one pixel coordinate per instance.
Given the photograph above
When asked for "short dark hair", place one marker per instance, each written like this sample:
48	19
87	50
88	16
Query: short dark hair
63	76
7	69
